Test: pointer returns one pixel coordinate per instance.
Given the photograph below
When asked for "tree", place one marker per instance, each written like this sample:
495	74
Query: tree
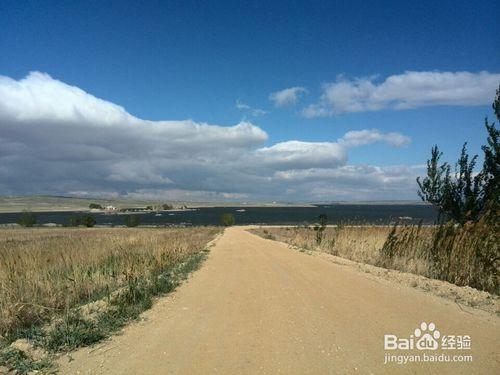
131	220
465	195
167	206
88	221
491	165
27	219
432	186
227	219
95	206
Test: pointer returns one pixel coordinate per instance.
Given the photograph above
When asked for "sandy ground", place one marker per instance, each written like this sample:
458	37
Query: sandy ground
258	307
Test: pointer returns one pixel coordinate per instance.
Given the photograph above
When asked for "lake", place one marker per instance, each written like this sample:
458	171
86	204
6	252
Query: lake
337	213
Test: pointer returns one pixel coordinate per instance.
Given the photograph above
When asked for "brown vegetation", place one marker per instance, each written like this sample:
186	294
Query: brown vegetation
358	243
463	255
44	272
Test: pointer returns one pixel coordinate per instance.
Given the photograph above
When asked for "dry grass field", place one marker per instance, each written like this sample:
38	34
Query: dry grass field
462	255
358	243
49	271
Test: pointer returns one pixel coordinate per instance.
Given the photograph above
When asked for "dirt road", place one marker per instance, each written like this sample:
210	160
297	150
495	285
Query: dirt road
258	307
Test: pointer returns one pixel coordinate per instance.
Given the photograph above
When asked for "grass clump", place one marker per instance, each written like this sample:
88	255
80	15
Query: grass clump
71	332
23	364
227	219
267	235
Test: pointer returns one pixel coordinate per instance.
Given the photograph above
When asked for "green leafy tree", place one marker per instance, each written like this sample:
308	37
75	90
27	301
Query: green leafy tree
27	219
95	206
464	195
227	219
435	187
131	220
491	165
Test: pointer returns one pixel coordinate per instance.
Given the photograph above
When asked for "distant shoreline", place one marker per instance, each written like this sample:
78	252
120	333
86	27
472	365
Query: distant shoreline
11	204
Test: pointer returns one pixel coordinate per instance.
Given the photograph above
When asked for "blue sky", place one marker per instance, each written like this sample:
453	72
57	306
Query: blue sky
194	60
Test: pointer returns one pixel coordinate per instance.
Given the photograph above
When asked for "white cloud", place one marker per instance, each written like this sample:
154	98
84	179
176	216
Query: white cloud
371	182
296	154
286	97
184	195
405	91
44	98
58	139
255	112
356	138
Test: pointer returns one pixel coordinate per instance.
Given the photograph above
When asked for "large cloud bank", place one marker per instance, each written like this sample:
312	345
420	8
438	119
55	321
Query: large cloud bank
58	139
404	91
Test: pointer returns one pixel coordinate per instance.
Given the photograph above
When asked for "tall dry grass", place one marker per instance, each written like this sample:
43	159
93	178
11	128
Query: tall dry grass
462	255
358	243
48	271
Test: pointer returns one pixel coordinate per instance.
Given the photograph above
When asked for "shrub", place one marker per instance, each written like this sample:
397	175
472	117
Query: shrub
227	219
167	206
131	220
74	221
95	206
27	219
89	221
323	220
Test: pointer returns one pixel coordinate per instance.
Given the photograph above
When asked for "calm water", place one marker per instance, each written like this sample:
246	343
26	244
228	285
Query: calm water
360	214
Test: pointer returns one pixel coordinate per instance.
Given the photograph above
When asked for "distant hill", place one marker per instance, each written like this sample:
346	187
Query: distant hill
57	203
61	203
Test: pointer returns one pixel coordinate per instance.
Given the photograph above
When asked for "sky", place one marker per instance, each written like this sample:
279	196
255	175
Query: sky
240	101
